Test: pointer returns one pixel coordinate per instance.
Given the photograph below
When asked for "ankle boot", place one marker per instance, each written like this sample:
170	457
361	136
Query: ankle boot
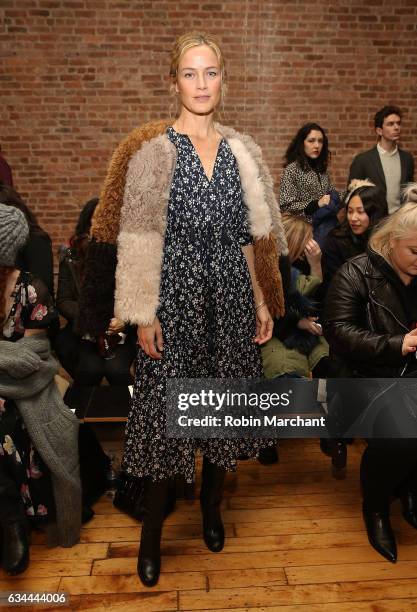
409	505
15	546
210	498
268	455
149	559
336	449
380	534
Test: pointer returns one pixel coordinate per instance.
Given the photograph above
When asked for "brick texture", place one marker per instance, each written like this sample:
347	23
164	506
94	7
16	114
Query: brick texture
78	75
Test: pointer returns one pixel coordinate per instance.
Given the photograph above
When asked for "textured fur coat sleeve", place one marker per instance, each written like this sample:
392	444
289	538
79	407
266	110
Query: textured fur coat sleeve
142	230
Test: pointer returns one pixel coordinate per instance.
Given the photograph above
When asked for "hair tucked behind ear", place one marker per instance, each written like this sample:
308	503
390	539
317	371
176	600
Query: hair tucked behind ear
187	41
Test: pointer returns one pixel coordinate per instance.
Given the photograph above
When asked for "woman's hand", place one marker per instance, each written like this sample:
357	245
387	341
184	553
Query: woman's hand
115	326
410	342
324	200
264	325
309	324
150	339
312	252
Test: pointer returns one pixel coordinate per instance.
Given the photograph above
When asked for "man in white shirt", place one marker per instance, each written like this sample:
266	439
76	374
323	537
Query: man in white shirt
386	165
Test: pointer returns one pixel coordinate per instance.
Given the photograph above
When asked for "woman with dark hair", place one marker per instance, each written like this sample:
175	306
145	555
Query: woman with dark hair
36	256
364	208
306	189
85	359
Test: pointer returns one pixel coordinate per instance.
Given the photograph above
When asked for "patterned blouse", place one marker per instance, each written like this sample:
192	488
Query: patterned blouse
299	188
32	308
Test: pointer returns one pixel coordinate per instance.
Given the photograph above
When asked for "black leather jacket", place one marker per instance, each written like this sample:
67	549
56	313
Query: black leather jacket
367	313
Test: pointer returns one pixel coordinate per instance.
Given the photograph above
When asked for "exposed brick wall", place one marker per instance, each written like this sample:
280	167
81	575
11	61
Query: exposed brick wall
77	76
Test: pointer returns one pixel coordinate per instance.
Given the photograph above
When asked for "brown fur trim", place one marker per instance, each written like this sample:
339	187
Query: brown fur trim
268	274
105	225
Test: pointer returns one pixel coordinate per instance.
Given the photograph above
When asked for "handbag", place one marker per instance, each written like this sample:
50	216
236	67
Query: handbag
129	496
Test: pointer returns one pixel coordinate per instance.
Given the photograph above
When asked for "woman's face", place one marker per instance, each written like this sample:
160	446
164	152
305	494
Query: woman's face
404	257
357	216
313	144
199	80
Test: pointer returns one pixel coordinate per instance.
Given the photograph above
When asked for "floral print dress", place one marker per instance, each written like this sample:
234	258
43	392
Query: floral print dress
32	309
206	312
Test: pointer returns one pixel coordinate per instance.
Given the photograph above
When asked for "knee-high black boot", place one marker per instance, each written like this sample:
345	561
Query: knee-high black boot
210	499
154	507
14	529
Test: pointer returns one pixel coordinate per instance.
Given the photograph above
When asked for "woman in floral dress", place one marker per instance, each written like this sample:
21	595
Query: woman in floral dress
198	203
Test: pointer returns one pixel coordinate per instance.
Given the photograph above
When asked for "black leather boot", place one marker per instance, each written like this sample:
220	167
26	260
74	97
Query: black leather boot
380	534
210	498
409	504
154	509
268	455
15	546
336	449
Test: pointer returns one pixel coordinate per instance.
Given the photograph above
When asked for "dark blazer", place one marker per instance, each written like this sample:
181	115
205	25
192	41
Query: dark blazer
367	165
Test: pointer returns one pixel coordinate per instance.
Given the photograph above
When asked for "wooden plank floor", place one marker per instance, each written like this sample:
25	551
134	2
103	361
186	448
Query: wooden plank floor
295	542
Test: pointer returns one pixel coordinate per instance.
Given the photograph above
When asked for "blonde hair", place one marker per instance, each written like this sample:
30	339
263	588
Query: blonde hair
397	226
195	39
298	232
409	193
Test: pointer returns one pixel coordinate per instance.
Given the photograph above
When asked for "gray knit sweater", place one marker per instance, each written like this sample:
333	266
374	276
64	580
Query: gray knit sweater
27	372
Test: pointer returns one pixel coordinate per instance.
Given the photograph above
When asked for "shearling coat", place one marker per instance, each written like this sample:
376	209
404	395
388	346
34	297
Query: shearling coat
130	221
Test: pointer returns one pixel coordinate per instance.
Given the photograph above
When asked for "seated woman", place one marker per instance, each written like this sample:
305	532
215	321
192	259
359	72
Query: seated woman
364	208
298	346
370	323
87	359
306	189
39	469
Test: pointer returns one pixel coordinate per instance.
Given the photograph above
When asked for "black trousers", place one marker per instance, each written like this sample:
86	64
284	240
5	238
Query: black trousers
82	361
91	367
388	468
66	346
94	465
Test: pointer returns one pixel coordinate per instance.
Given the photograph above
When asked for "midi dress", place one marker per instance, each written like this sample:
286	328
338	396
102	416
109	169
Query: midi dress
206	311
